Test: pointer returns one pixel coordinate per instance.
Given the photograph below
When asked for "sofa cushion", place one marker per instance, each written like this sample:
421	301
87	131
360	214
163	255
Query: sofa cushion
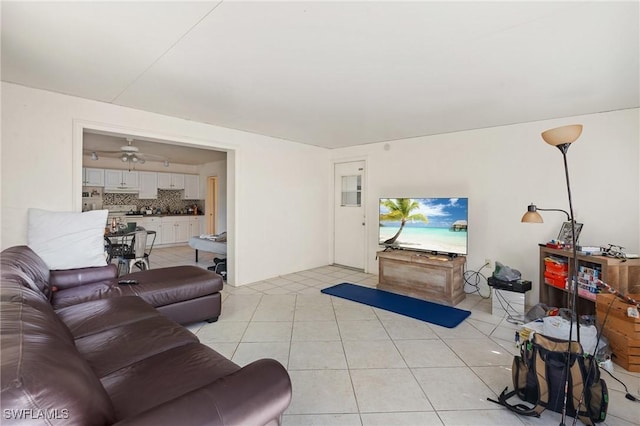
164	286
42	372
116	348
23	264
74	277
67	240
94	317
139	386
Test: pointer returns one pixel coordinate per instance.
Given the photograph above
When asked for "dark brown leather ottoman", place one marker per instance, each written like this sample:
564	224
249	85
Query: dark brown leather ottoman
185	294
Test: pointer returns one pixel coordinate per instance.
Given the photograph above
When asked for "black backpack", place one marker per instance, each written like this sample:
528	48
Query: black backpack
539	375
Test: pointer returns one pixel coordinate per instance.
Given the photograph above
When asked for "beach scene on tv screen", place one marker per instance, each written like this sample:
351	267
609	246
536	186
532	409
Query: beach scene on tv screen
430	224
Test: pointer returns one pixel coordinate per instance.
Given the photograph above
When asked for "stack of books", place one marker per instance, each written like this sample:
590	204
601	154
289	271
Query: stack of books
589	250
587	282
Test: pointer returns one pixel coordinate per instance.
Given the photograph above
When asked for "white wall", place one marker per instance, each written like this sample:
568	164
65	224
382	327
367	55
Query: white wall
277	189
279	192
502	170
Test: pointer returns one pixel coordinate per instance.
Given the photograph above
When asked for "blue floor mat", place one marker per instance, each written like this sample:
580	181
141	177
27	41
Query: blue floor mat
445	316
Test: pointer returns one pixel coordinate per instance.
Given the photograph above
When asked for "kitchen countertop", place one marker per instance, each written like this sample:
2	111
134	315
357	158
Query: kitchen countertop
164	215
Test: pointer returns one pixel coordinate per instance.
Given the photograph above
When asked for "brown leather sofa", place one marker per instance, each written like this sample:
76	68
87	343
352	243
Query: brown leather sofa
117	360
185	294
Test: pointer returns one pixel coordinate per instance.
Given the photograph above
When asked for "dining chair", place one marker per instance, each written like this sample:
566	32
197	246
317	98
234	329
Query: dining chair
136	254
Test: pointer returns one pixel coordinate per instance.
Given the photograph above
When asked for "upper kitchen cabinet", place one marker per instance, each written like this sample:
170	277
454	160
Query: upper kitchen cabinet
148	185
121	179
92	177
170	181
191	187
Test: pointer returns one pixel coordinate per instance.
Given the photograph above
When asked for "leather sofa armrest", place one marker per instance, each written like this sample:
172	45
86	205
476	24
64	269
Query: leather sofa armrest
257	394
76	277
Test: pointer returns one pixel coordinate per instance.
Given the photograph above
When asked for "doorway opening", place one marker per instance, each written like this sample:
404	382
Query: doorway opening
177	147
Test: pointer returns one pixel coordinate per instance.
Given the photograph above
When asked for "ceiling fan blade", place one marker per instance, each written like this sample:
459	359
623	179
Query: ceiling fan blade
117	151
151	156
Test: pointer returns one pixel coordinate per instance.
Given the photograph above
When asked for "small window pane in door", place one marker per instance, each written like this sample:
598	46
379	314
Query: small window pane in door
351	191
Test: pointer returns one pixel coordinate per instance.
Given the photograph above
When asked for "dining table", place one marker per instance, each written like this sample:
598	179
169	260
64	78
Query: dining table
119	242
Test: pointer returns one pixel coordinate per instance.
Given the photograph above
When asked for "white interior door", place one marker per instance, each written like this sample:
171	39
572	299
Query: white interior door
349	214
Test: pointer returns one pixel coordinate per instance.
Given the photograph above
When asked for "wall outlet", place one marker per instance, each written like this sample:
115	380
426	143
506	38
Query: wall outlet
489	264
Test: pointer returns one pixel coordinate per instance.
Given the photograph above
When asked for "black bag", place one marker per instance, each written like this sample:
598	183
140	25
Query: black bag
219	267
539	377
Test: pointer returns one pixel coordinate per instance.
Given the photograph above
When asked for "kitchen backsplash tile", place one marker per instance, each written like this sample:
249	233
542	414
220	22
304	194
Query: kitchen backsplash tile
168	200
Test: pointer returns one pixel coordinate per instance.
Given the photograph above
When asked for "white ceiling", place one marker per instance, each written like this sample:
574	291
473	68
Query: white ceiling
333	74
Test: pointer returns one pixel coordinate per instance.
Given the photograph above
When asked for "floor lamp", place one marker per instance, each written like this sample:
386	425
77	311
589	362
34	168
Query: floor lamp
562	138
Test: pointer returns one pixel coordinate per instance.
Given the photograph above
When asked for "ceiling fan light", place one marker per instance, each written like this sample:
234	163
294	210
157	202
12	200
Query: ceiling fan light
141	161
134	159
124	158
94	156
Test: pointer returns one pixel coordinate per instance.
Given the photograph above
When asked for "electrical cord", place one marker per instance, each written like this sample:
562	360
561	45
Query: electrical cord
477	278
513	319
627	393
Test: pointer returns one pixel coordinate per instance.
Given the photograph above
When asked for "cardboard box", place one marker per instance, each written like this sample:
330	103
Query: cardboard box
622	330
626	351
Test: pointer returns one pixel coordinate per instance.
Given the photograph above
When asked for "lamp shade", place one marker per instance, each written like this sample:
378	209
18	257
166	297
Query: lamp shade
532	215
562	135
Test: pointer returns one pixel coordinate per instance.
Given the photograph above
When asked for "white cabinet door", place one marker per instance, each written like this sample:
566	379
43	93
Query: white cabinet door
182	231
130	179
195	226
148	185
113	178
168	234
191	187
174	230
93	177
170	181
177	181
120	179
164	180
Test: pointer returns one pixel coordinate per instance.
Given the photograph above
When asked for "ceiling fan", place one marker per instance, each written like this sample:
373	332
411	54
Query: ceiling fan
130	154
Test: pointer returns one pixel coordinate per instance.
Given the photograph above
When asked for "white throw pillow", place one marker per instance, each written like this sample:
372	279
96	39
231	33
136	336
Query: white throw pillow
66	240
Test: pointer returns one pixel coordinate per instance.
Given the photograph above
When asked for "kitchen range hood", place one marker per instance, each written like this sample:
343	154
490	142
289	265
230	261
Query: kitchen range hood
117	190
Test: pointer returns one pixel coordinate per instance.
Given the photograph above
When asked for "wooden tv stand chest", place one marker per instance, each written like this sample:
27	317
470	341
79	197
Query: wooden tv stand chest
422	275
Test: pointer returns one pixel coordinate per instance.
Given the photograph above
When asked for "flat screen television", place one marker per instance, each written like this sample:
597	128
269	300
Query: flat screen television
436	225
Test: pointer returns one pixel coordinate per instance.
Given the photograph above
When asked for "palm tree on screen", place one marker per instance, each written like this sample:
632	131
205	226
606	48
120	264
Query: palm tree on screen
401	210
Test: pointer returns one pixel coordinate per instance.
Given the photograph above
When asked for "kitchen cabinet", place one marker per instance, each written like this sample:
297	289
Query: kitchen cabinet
148	185
170	181
92	177
175	229
152	224
195	226
191	187
121	179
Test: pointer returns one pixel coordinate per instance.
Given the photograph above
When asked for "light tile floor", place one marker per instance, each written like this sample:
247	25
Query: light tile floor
351	364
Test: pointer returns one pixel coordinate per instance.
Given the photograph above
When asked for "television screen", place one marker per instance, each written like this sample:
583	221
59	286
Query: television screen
427	224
